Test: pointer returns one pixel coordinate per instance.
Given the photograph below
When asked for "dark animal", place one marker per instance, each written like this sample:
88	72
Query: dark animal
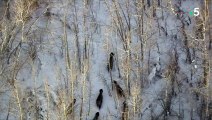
125	111
119	90
148	3
70	107
96	117
110	63
48	13
99	99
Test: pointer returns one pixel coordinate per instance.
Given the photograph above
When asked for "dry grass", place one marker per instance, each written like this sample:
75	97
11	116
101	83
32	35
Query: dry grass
23	9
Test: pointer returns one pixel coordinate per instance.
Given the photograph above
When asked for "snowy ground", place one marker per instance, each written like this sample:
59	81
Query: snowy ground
47	79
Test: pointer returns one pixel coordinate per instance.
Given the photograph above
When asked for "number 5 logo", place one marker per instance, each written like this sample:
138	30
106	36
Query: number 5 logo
196	11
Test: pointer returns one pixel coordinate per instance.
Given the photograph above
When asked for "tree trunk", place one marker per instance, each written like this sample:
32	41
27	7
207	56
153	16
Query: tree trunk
209	23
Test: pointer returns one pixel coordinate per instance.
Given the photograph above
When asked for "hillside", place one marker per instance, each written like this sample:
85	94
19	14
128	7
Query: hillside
151	58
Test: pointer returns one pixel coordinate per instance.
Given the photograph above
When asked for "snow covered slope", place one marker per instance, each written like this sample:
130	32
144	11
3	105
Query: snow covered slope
63	52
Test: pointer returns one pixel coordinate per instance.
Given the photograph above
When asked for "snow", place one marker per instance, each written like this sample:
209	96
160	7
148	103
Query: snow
42	80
